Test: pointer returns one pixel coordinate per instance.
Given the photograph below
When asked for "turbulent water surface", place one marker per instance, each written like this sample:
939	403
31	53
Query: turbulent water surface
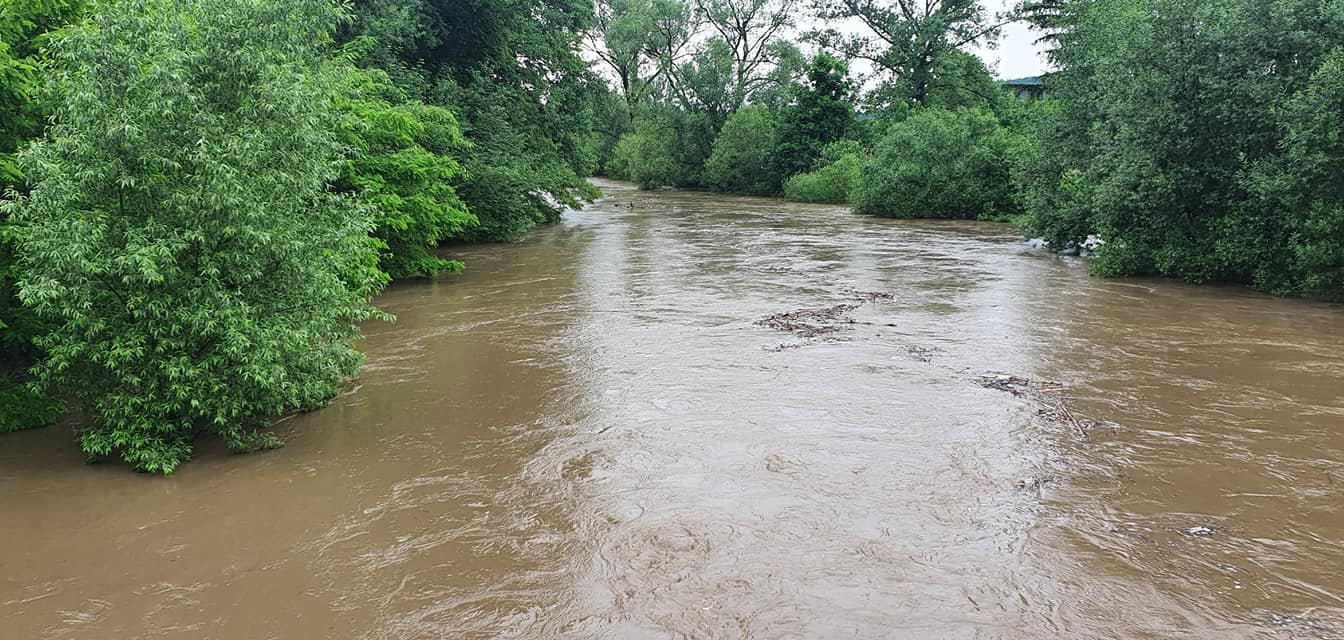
682	415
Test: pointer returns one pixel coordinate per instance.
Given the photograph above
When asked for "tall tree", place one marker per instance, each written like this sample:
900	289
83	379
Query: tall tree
25	27
180	232
907	40
1052	18
512	73
641	41
821	114
1194	137
752	31
401	164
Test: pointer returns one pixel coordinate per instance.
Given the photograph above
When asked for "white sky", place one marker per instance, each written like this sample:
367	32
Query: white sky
1017	55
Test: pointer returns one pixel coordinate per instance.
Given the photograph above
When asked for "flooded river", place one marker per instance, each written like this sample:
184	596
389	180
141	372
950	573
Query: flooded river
589	435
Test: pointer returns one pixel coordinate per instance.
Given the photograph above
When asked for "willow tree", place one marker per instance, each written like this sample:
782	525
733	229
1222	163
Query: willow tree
180	233
24	26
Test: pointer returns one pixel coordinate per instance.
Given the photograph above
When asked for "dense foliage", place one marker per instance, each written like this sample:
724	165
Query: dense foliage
832	182
25	25
940	164
821	113
1193	149
511	72
402	165
199	274
744	153
217	187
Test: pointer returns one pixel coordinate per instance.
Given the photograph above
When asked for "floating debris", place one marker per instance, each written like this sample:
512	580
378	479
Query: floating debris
1199	531
1019	386
869	296
810	323
1051	399
1034	483
922	354
1306	626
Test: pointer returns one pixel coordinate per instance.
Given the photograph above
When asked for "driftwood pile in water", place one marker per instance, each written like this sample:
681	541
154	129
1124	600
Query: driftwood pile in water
1051	399
811	323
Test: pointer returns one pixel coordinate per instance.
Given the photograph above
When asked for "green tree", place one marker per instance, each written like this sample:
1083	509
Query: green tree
821	114
667	148
403	168
642	42
941	164
751	31
180	232
834	178
1191	146
510	71
908	41
1052	18
24	26
742	159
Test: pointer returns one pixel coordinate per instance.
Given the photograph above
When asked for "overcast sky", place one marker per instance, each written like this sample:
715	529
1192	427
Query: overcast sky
1017	55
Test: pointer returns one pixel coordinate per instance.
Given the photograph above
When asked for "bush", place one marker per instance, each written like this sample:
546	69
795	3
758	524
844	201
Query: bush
941	164
1194	151
180	233
667	148
831	183
401	166
645	158
743	157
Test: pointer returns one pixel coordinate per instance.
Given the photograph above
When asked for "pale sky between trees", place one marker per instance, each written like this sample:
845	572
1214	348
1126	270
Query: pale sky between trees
1018	55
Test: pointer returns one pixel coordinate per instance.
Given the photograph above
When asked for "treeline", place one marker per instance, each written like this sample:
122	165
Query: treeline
717	94
1196	139
202	196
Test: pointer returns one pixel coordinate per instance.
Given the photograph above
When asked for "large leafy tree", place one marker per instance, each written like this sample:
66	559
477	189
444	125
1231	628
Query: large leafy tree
743	154
402	165
25	25
1199	140
752	32
180	231
908	41
511	72
941	164
1052	18
821	114
642	42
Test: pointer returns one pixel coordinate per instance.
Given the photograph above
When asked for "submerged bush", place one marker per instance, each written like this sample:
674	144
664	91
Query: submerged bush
941	164
833	180
180	234
743	156
402	166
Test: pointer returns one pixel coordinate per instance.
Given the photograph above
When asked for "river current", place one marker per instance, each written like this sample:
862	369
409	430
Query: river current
685	415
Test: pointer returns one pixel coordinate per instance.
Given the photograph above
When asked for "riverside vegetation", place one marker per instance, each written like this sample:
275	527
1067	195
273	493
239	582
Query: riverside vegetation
203	197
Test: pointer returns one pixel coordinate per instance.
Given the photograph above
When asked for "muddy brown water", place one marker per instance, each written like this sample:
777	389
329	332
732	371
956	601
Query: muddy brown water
587	436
